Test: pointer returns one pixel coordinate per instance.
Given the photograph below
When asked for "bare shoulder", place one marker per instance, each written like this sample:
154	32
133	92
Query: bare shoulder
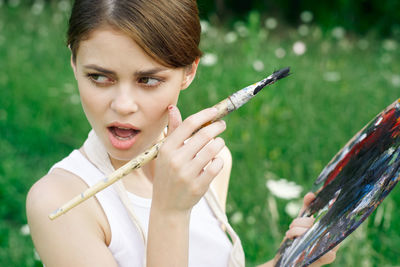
51	191
221	182
70	239
52	187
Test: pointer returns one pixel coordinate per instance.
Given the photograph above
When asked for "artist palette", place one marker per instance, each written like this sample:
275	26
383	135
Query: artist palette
349	188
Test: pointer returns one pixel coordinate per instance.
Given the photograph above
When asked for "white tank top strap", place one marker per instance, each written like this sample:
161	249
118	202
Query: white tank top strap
122	193
97	153
237	258
78	165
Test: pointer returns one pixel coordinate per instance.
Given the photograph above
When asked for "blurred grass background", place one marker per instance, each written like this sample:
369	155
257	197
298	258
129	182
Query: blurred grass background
340	80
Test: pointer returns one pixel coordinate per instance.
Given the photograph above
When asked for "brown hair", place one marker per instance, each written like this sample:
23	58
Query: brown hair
167	30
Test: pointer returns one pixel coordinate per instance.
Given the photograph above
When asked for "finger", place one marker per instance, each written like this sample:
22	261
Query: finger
210	172
302	222
191	124
308	198
207	154
336	248
329	257
174	118
202	138
296	232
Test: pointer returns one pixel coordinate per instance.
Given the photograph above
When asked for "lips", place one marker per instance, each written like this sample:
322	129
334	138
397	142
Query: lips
123	133
122	136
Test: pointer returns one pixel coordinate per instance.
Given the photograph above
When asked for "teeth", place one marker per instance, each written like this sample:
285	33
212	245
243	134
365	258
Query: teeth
128	134
122	138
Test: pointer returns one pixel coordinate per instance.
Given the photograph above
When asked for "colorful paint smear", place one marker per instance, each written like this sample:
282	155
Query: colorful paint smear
349	188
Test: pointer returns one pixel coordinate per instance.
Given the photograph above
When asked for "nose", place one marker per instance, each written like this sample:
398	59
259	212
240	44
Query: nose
124	100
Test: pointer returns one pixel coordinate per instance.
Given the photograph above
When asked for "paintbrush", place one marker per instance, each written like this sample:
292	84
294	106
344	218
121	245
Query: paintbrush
224	107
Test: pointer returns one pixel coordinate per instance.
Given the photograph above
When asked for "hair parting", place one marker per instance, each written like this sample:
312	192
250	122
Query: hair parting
167	30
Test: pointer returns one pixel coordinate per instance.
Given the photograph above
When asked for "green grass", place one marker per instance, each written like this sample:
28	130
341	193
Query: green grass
291	130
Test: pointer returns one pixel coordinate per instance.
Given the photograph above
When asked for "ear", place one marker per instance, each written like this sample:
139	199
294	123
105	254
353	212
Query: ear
73	66
190	73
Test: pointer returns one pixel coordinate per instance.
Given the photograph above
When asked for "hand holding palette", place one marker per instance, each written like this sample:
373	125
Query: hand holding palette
349	189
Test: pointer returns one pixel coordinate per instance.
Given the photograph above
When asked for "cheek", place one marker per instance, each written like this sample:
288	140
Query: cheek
157	104
157	111
92	102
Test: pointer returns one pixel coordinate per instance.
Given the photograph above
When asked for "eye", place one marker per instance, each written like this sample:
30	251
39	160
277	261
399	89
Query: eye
100	79
149	81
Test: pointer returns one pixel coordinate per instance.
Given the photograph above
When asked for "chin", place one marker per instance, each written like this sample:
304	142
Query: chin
122	155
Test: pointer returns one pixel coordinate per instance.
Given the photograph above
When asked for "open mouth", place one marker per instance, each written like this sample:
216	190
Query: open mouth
121	137
122	133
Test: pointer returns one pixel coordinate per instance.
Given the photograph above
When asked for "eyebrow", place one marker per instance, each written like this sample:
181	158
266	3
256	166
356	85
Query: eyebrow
137	73
99	69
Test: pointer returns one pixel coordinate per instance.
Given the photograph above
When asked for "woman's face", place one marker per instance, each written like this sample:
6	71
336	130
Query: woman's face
124	92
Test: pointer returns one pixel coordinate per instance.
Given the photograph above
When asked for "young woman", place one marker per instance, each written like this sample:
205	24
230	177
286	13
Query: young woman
131	59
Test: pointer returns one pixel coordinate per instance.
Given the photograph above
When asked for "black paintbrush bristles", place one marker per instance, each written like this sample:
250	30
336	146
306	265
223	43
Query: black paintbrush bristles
279	74
282	73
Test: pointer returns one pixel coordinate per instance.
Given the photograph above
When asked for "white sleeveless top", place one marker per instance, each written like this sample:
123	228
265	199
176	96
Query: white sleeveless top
209	246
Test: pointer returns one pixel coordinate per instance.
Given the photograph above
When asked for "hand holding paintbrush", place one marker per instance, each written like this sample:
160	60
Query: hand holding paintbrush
224	107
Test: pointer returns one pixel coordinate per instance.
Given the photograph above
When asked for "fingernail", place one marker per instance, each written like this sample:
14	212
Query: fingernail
223	123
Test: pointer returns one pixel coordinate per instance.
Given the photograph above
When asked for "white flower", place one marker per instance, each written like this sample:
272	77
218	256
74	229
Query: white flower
395	80
241	30
14	3
209	59
338	32
363	44
57	18
332	76
345	44
69	88
36	255
389	45
292	208
299	48
237	217
3	115
386	58
63	5
37	7
325	47
280	52
75	99
306	16
317	33
24	230
303	30
231	37
271	23
273	209
43	31
251	220
284	189
258	65
205	25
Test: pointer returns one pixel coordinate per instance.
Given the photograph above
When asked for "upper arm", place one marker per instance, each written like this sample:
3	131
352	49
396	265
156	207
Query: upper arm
74	239
221	181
